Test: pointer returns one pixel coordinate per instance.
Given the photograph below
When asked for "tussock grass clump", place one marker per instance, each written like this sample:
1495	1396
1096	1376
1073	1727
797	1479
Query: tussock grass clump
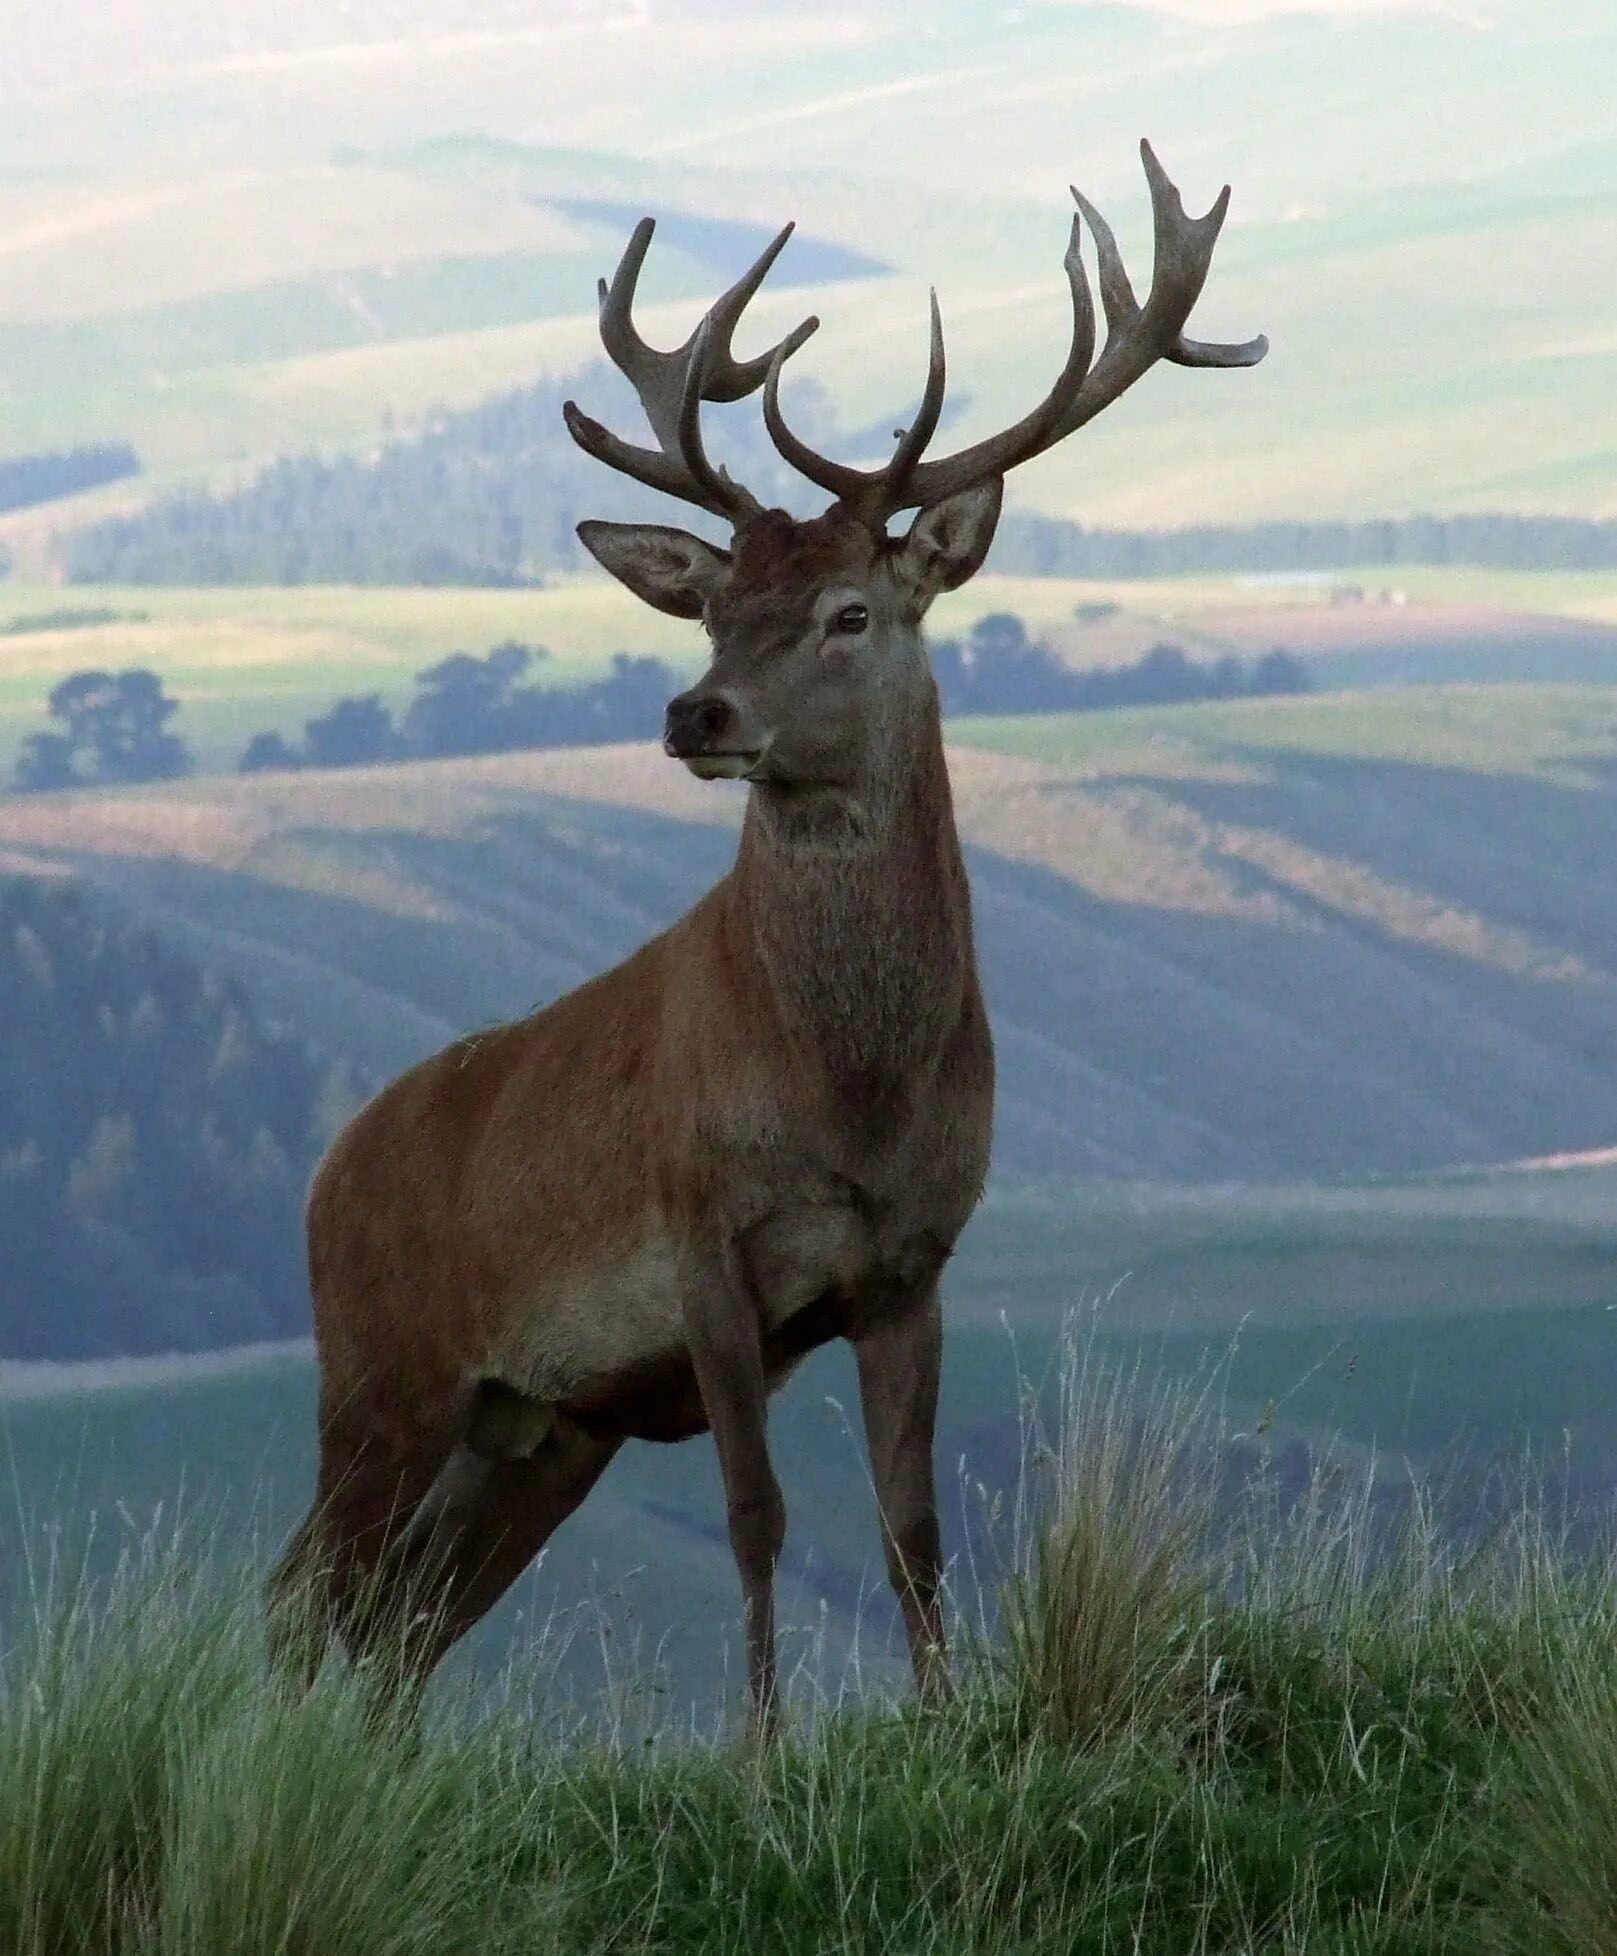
1273	1723
160	1797
1562	1802
1099	1622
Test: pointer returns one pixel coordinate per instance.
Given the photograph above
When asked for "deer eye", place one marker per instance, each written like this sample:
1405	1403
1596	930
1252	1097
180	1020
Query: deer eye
852	619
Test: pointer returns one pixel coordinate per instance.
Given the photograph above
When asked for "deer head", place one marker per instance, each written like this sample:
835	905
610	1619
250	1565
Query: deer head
818	661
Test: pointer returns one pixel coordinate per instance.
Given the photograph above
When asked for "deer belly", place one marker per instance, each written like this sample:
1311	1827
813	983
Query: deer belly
608	1349
585	1327
608	1346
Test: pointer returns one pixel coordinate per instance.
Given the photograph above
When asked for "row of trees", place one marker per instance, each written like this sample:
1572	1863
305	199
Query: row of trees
1045	547
470	705
489	495
998	669
114	727
156	1136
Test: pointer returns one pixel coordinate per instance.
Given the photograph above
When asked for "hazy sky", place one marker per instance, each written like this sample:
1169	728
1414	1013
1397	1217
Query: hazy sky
76	41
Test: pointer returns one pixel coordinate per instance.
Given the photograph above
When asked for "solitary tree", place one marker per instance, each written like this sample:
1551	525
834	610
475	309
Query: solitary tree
116	721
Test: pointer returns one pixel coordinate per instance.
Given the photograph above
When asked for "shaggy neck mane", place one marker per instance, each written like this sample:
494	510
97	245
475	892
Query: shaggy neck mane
857	907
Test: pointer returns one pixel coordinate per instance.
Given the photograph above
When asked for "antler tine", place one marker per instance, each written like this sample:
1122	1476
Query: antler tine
615	302
842	482
672	385
730	379
1137	336
912	442
870	493
906	480
933	481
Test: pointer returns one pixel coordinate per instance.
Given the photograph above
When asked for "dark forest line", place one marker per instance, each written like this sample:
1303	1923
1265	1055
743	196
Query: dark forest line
489	495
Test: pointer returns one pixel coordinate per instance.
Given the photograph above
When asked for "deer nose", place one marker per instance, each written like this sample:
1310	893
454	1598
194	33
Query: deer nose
697	722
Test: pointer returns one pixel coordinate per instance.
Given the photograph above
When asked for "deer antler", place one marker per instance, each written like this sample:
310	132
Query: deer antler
1136	338
673	385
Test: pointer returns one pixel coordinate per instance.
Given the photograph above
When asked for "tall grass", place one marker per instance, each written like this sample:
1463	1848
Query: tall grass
1278	1724
1099	1618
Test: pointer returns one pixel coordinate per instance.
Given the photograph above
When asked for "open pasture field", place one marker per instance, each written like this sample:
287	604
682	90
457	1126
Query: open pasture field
1565	733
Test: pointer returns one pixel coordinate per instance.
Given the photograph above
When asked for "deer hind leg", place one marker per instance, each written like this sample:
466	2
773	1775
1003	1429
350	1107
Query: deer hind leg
499	1424
491	1516
335	1580
398	1562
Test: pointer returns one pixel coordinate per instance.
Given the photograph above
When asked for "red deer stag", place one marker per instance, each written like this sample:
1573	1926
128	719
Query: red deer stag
630	1215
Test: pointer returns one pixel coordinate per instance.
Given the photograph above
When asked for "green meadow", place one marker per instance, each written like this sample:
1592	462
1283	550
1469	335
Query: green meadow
1561	733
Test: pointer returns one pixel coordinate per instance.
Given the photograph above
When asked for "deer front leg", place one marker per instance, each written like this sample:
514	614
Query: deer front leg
900	1357
721	1325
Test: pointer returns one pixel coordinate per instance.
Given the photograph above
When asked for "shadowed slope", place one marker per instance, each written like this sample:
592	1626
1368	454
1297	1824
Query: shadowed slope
1229	959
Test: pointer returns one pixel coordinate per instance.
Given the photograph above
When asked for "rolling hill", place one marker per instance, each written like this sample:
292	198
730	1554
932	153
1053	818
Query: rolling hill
1275	941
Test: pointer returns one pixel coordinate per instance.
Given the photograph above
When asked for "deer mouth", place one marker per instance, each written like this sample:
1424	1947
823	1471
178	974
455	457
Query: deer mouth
734	766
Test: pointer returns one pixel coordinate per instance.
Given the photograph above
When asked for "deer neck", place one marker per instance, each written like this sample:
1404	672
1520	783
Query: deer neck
856	905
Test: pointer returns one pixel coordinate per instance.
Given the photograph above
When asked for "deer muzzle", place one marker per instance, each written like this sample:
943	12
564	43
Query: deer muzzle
706	732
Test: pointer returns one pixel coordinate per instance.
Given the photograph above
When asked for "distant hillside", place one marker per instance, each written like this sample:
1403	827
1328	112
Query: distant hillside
1274	940
490	495
222	248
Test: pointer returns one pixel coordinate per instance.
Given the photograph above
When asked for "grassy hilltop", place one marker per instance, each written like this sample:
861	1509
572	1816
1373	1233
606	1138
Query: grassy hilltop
1192	1726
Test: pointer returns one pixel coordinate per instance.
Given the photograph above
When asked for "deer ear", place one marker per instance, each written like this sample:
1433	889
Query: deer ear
947	543
668	568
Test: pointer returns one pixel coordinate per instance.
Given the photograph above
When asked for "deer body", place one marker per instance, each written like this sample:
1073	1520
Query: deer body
630	1215
805	1056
